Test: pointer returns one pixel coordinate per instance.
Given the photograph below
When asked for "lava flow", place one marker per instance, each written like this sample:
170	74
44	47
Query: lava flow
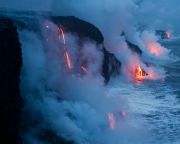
155	49
66	54
140	74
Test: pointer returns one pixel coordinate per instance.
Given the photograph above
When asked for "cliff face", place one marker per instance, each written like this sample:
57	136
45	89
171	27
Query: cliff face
111	66
10	65
80	27
11	62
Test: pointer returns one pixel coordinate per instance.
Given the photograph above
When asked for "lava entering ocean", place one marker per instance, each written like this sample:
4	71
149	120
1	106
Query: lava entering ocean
140	74
155	49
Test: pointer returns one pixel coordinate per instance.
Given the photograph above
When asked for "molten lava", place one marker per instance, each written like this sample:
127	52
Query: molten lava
68	61
140	74
112	122
67	57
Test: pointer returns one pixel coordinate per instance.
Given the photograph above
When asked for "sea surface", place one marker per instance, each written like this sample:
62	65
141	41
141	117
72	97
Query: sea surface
156	104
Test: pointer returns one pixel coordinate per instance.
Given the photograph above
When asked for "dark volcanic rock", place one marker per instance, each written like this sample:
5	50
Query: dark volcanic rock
10	65
134	47
111	65
82	28
11	62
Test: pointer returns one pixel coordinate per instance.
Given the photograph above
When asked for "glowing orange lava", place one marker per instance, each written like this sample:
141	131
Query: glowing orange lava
67	57
68	60
140	74
112	122
63	36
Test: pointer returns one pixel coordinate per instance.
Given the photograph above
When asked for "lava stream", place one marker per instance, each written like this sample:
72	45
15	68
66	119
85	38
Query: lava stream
140	74
63	36
67	57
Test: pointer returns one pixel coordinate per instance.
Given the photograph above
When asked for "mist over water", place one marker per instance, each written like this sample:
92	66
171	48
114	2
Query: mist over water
79	107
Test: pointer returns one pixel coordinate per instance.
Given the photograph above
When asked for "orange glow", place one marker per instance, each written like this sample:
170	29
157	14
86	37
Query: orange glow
68	61
112	122
140	74
67	57
168	35
63	36
155	49
84	69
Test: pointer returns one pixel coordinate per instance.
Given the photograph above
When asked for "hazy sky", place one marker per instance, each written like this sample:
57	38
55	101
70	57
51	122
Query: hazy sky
152	13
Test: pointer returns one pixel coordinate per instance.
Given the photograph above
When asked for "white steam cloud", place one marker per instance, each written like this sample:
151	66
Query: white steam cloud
73	106
70	107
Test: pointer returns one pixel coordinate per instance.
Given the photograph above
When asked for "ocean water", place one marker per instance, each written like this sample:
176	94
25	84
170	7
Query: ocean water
152	106
156	104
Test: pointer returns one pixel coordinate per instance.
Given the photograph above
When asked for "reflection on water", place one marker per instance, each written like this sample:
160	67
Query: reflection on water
157	103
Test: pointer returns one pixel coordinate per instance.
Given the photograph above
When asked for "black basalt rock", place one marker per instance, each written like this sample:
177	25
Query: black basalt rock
10	66
80	27
111	65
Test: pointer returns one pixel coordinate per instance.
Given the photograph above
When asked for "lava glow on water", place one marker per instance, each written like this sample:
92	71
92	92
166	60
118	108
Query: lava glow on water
154	49
112	122
140	74
67	57
63	36
68	61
